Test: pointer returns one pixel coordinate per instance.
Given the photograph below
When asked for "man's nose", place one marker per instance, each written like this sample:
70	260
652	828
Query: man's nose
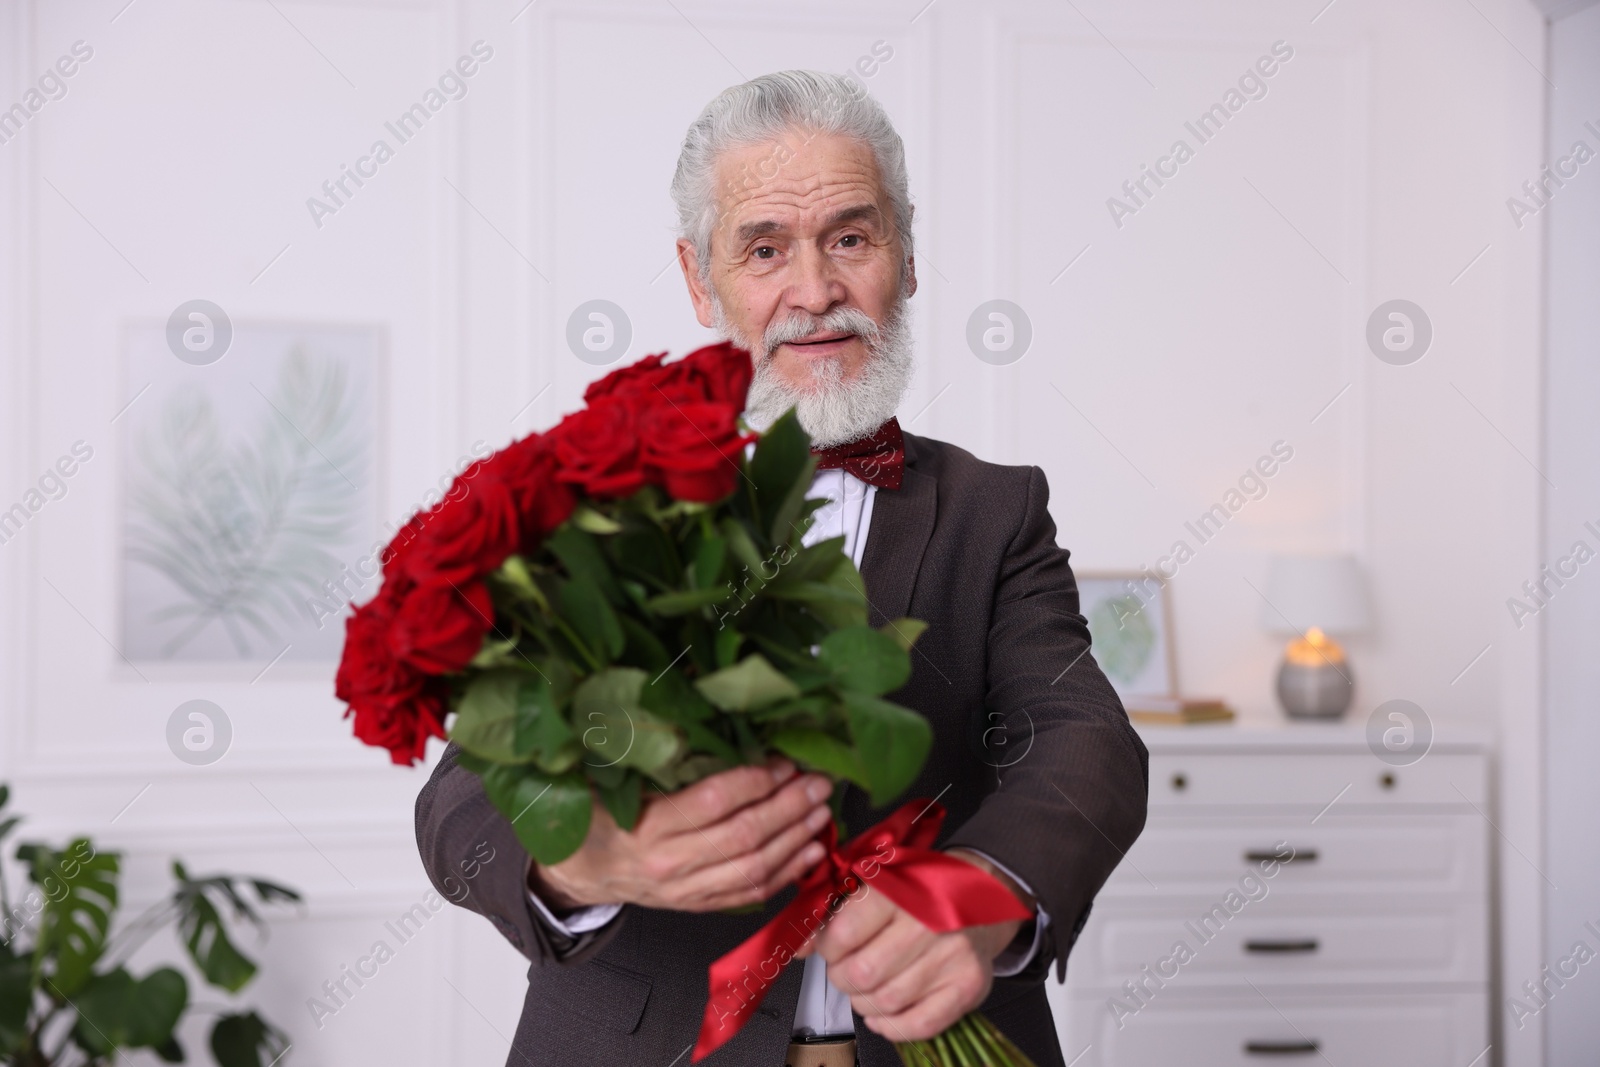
815	285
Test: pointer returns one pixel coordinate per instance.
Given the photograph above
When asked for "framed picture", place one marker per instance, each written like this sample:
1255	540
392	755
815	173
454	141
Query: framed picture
248	485
1130	625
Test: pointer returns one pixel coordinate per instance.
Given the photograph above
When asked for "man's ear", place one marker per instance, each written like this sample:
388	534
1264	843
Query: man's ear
911	276
699	295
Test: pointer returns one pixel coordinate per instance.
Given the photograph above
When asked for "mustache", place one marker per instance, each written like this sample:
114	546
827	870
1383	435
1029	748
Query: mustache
842	319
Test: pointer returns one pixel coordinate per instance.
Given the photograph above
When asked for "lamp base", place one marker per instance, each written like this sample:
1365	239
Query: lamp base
1320	691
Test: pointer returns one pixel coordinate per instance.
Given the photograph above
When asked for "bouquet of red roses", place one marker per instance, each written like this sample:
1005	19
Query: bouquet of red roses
626	601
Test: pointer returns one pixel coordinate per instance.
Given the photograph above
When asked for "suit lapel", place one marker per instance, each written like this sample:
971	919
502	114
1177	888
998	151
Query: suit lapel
897	536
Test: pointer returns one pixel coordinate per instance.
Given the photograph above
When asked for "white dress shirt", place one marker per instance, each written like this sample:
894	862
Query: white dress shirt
822	1010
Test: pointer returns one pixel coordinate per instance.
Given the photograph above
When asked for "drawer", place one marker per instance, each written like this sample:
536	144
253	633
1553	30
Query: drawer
1191	852
1245	1030
1312	781
1277	941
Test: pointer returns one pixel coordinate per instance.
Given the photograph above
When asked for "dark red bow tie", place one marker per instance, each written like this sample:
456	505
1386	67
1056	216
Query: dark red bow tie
879	459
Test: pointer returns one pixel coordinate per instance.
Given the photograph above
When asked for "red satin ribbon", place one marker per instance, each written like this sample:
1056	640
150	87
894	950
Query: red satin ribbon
940	891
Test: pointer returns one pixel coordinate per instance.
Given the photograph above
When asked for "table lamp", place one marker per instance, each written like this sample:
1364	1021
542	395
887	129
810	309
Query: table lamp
1313	597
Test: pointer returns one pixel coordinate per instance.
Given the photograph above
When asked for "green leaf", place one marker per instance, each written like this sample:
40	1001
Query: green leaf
728	641
810	564
213	952
781	470
550	816
589	613
893	742
806	711
643	648
671	696
486	717
509	716
818	751
80	890
583	559
589	520
623	800
116	1010
904	631
247	1041
708	560
704	741
866	660
16	994
751	683
691	769
542	731
836	605
745	551
515	576
616	728
684	601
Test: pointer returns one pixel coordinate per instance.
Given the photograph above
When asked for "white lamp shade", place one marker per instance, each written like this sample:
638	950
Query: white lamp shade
1322	591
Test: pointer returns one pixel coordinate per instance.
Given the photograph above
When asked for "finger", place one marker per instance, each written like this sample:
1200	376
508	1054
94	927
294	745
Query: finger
889	955
931	1014
753	878
806	856
856	923
712	799
750	829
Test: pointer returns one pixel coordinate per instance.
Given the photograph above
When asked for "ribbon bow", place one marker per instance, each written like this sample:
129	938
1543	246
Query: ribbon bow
940	891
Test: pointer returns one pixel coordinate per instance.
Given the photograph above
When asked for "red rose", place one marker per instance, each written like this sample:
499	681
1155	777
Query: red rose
468	534
401	726
634	378
396	555
598	447
529	468
395	707
439	628
719	372
692	448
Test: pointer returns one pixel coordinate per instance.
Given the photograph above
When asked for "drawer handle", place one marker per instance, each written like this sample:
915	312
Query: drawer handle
1302	855
1281	1048
1280	947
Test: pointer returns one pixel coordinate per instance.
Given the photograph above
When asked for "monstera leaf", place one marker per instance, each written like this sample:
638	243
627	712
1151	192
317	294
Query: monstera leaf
247	1040
118	1011
201	925
79	887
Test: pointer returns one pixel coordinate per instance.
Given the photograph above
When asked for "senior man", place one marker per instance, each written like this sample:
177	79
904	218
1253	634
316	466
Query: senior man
795	219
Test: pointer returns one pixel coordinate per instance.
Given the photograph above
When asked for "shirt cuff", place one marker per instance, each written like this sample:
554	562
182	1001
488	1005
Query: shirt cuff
578	922
1013	959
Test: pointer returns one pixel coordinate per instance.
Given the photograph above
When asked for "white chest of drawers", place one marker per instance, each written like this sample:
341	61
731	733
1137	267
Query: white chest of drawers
1293	899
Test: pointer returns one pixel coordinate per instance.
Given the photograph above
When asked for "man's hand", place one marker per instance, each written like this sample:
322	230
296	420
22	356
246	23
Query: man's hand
731	840
905	981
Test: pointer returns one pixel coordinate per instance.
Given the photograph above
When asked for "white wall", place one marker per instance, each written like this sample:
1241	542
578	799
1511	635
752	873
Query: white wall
1226	314
1572	443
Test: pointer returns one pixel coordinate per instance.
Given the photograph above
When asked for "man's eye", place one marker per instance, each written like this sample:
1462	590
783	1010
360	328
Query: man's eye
766	252
850	240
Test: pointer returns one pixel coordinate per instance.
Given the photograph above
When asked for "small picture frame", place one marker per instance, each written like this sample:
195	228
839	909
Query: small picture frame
1130	628
249	490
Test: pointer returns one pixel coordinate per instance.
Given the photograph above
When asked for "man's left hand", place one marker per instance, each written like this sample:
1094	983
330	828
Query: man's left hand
905	981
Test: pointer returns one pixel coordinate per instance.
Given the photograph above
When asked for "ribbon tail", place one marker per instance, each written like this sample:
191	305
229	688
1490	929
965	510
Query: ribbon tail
737	982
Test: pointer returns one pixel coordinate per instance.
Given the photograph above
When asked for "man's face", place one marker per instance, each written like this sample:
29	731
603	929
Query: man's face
804	227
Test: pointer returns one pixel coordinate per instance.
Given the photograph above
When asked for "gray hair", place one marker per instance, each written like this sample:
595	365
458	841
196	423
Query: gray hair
760	111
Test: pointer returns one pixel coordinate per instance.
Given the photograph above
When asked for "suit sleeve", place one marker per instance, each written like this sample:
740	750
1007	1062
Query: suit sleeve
457	827
1065	813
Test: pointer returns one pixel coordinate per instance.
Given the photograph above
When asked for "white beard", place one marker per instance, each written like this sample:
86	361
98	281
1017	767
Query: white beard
831	411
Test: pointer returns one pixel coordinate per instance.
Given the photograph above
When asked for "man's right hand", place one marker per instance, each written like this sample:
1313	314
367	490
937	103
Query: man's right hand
728	841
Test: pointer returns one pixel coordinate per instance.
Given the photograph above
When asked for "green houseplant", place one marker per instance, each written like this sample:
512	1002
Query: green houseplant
67	998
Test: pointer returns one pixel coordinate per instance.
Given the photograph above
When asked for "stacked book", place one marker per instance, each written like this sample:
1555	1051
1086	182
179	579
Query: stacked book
1176	711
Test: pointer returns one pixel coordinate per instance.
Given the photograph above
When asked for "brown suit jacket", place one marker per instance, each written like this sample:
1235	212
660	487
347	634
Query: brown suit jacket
1033	757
